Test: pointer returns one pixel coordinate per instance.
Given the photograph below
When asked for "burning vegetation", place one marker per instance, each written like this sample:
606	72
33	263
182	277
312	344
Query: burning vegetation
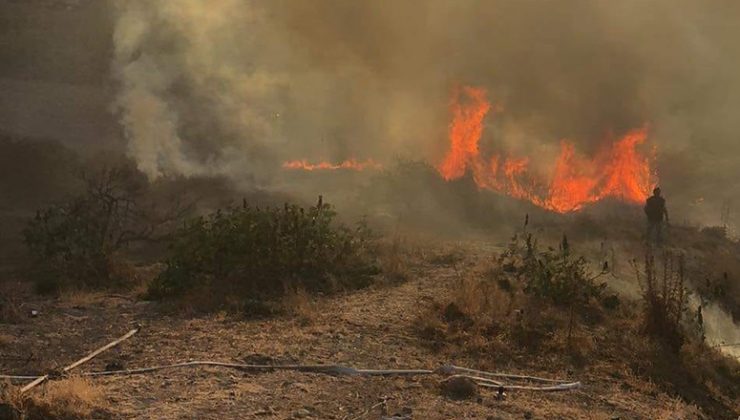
619	170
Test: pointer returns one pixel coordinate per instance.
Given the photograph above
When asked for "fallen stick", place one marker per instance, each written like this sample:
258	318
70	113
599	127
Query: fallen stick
42	379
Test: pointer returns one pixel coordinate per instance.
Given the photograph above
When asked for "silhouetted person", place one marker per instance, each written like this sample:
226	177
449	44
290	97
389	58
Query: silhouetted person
656	213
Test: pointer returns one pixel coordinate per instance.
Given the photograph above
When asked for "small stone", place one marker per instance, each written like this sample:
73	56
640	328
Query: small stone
301	413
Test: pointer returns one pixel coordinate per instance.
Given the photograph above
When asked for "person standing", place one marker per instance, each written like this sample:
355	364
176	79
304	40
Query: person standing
656	212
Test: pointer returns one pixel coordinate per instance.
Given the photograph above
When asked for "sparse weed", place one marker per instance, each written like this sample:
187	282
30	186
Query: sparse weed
395	261
664	298
300	304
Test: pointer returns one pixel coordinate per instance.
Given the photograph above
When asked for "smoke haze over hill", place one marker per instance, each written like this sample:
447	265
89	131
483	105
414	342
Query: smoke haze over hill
235	88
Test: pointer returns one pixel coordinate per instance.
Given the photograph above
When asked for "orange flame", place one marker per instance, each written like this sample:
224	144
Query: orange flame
619	171
351	164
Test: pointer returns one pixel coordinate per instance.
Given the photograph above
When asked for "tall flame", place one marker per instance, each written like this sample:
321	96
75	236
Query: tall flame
351	164
618	171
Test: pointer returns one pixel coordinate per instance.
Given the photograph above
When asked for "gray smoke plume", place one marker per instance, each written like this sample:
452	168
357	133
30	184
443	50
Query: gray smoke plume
236	87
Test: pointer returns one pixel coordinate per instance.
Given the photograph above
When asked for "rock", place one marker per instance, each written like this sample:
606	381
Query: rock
459	388
301	413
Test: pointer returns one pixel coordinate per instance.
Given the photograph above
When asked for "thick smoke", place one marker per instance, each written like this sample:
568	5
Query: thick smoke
236	87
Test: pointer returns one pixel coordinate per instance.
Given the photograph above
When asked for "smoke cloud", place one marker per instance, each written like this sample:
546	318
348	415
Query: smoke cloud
235	87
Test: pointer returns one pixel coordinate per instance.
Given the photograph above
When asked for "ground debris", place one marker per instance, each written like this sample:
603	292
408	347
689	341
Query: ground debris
459	388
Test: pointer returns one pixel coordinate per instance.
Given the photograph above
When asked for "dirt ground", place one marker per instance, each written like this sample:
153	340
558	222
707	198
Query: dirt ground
373	328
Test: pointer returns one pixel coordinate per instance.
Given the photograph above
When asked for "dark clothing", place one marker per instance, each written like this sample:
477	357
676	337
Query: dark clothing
655	209
655	232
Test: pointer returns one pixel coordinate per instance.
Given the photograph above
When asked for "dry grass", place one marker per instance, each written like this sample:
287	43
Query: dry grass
10	311
68	399
447	256
299	303
679	410
6	339
73	398
488	317
80	298
396	258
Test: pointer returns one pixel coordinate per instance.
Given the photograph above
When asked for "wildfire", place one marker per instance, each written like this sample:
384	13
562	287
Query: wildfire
351	164
618	171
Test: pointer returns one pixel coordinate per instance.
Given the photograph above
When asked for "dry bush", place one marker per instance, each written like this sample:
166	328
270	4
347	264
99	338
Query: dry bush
715	232
67	399
10	312
298	303
72	398
395	260
719	373
10	402
481	300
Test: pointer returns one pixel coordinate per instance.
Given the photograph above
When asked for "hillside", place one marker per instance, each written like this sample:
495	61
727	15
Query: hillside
383	327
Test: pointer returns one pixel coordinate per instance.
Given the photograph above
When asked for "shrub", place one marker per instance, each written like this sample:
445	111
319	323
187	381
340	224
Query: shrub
71	398
251	252
76	243
552	274
9	310
715	232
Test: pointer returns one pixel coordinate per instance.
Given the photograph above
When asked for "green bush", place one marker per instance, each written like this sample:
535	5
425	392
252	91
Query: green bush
76	243
250	252
552	274
68	247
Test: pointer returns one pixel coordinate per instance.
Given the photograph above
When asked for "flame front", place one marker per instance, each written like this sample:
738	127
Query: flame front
618	171
351	164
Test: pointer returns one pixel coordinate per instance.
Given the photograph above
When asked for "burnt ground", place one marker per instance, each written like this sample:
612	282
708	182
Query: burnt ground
371	328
